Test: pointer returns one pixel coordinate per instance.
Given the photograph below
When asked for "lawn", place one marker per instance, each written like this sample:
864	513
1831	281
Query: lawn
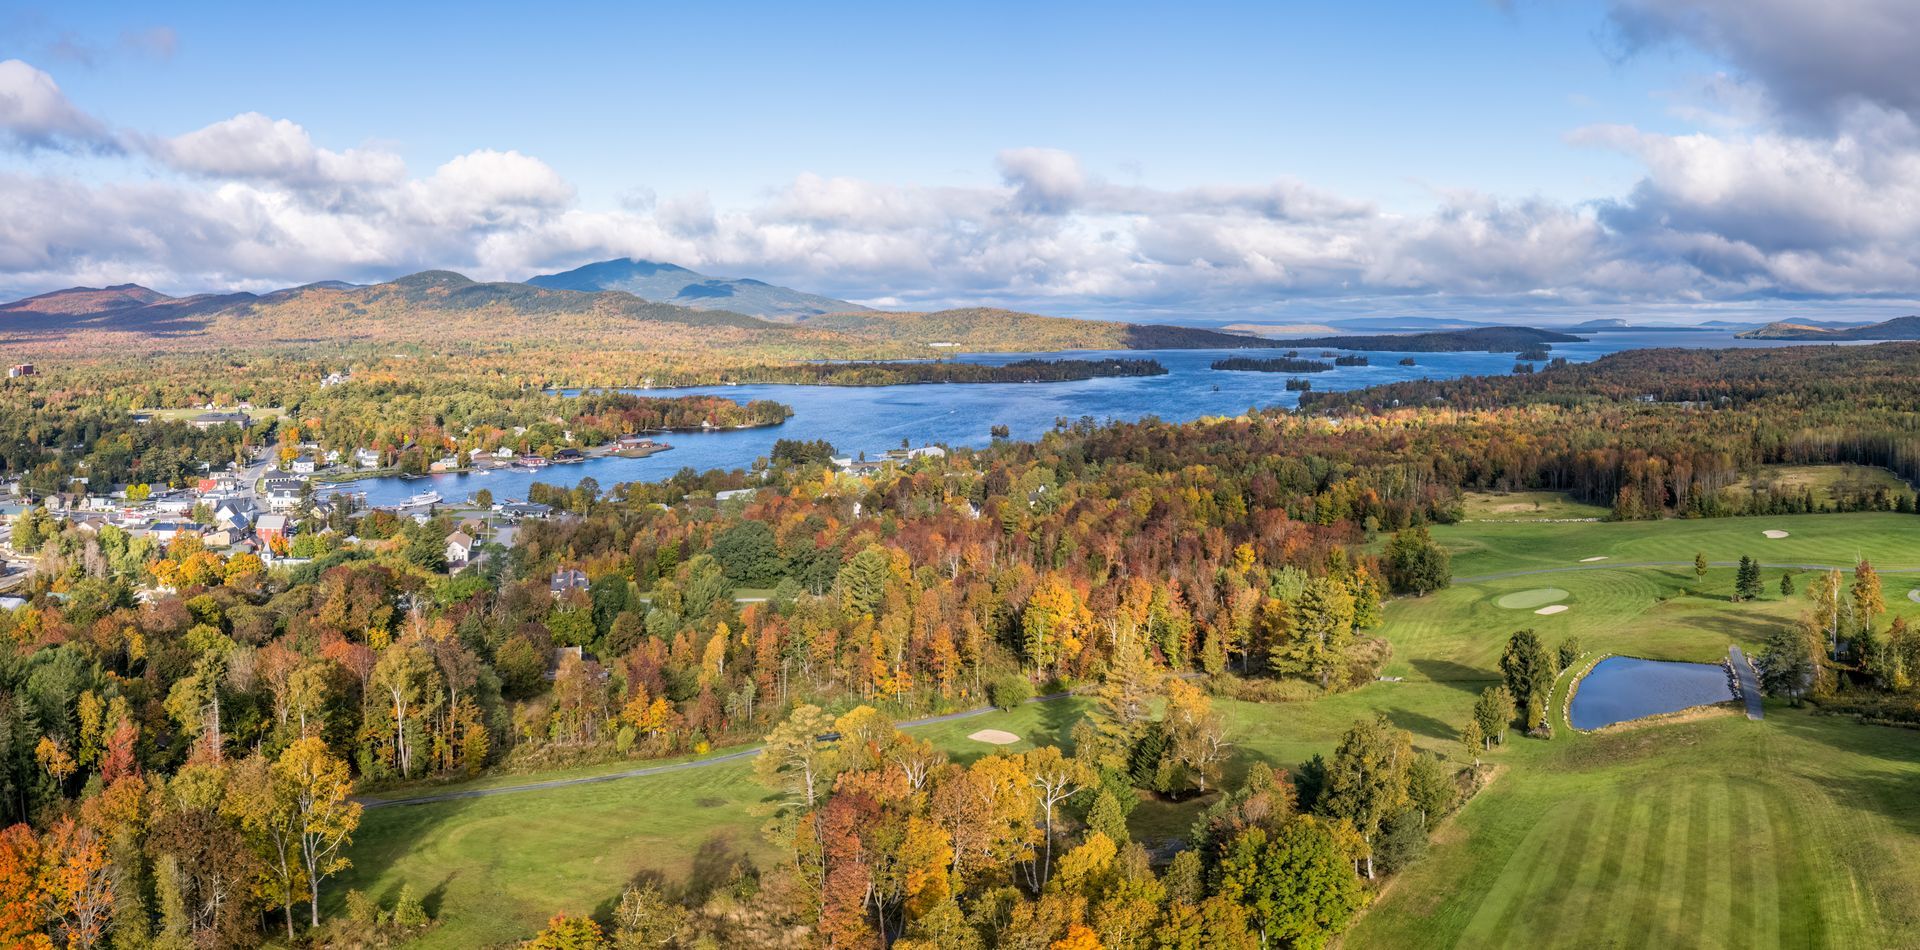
1722	832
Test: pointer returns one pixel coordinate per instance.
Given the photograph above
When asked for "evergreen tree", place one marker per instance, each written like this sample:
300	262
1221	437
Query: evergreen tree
1746	582
1786	584
1527	668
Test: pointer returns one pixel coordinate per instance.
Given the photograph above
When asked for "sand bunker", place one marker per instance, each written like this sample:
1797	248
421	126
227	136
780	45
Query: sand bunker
1589	560
1914	595
994	737
1529	599
1774	533
1550	611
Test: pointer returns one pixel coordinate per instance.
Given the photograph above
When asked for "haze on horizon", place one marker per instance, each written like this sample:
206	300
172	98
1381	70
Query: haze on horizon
1672	160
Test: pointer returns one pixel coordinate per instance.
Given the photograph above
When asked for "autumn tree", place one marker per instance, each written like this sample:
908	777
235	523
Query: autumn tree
1527	668
313	787
794	761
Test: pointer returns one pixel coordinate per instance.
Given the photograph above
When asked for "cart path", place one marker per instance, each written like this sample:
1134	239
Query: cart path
1748	687
734	756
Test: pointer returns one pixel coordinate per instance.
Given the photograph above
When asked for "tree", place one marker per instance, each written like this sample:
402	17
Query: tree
1526	668
1297	885
1786	584
1367	779
1053	623
1054	779
1196	737
405	677
1415	564
569	933
1700	565
1867	601
265	808
317	785
1473	739
1493	713
794	761
1746	581
1787	662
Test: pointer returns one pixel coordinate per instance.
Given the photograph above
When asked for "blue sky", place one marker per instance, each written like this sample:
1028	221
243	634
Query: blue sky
1270	159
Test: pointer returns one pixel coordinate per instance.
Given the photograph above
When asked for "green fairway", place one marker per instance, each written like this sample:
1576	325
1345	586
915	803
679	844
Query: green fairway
1798	831
1795	831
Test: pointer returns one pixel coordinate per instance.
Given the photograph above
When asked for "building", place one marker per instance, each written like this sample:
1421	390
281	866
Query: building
283	499
19	370
304	465
732	493
366	458
208	420
521	510
461	547
567	580
271	528
449	463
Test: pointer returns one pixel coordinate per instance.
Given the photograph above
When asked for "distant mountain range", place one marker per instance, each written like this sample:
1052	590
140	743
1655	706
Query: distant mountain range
1898	328
1475	340
446	311
673	284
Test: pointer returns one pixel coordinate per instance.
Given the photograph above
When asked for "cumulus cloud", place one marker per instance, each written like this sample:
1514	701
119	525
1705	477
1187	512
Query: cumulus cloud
35	114
1759	204
251	145
1817	59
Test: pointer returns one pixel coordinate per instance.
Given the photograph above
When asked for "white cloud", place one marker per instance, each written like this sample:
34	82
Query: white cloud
251	145
35	114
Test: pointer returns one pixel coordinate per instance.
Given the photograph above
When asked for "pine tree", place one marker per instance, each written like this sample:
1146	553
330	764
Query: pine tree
1786	585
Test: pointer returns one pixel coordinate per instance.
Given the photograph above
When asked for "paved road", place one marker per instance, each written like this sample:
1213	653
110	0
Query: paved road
1617	565
654	769
1749	687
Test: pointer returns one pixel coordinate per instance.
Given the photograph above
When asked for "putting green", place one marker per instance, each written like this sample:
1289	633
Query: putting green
1529	599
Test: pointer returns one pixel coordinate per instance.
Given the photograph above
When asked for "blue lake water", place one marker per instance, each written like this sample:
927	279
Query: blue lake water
876	418
1620	688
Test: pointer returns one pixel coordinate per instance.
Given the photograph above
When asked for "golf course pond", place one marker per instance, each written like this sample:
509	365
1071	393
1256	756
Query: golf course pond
1621	688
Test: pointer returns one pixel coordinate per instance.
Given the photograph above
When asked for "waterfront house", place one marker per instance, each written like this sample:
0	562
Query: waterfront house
461	547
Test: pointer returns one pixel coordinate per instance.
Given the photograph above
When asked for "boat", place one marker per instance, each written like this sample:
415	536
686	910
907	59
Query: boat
424	498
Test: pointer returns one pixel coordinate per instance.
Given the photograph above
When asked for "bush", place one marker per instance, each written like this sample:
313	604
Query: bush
407	912
1009	692
1402	841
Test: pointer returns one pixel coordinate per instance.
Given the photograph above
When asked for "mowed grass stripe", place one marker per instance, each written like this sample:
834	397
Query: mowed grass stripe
1800	911
1587	896
1492	924
1756	893
1550	894
1707	912
1627	920
1700	863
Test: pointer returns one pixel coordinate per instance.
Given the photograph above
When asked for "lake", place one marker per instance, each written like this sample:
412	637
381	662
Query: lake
874	419
1621	688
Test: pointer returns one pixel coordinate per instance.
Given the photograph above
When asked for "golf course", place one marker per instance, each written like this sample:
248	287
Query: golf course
1706	829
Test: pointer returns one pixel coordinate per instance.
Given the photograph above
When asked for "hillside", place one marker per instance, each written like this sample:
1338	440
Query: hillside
82	300
1478	339
1898	328
989	328
671	283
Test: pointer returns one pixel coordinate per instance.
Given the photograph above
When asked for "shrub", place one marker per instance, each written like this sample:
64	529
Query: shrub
1009	692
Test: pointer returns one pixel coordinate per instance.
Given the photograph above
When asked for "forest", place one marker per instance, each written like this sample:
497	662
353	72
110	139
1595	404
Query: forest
181	731
1278	364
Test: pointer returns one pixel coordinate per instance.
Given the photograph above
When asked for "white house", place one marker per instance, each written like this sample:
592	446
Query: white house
460	549
366	458
304	465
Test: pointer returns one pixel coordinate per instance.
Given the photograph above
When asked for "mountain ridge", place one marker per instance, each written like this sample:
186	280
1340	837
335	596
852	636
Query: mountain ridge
1898	328
663	282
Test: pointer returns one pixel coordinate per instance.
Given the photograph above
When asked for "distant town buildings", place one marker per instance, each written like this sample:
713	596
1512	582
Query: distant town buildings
20	369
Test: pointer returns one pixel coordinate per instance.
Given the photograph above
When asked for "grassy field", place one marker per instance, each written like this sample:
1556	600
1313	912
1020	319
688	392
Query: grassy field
1795	831
1829	482
1527	506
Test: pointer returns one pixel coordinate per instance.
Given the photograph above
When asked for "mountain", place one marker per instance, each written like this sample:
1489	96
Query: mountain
1478	339
1609	323
671	283
1898	328
83	300
989	328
